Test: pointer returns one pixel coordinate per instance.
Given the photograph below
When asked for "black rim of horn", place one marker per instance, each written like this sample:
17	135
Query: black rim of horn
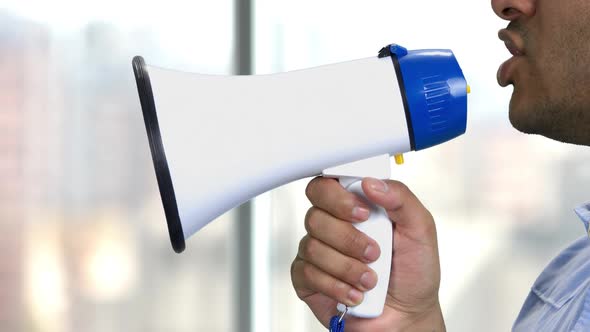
148	107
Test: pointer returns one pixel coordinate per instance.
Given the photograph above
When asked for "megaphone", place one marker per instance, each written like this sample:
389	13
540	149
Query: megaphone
218	141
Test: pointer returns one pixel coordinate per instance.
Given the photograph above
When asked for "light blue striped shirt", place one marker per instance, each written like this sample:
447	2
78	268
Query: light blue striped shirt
560	297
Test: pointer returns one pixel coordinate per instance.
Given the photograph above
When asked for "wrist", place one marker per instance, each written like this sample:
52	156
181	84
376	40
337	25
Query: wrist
430	320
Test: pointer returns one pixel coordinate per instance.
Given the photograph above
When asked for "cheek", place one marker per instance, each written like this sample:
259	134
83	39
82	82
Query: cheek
576	71
532	83
565	51
564	78
547	77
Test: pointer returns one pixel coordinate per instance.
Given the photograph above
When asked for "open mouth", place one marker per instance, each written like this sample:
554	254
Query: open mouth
514	44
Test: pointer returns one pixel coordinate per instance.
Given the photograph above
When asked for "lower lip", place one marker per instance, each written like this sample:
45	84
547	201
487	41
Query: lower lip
506	71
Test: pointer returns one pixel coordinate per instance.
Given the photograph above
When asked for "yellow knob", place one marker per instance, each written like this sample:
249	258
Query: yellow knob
399	159
468	89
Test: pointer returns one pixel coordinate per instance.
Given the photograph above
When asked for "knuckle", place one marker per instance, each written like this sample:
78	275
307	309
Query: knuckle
399	191
402	186
311	188
293	268
301	246
394	183
352	271
348	199
346	205
297	268
299	284
399	188
428	215
311	220
429	225
339	289
357	240
303	294
348	267
310	249
307	271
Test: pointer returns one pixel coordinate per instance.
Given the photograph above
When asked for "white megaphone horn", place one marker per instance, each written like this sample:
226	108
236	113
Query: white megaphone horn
218	141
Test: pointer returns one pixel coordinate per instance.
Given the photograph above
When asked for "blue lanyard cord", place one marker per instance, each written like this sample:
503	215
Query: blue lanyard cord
336	324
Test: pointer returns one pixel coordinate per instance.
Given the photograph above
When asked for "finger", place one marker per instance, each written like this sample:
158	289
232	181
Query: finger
341	235
306	277
345	268
401	205
329	195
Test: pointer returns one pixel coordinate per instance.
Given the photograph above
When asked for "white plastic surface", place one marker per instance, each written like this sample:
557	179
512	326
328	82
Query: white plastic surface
228	139
378	167
379	228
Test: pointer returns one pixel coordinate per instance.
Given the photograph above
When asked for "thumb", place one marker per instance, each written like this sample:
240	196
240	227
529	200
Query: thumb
402	207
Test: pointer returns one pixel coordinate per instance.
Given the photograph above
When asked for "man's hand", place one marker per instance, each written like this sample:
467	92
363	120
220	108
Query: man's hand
331	265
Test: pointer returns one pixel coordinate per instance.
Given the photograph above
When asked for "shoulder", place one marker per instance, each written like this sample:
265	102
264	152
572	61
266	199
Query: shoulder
560	295
565	274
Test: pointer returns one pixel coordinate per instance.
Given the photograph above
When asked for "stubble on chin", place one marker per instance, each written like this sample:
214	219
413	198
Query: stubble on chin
563	121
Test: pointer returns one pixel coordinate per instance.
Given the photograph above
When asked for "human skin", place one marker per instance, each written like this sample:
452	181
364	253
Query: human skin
550	73
333	257
550	67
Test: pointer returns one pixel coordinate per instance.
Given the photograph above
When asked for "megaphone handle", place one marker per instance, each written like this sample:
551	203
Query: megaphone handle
380	228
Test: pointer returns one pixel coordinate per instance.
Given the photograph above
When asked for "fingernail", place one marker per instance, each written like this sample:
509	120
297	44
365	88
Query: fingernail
371	253
355	296
360	213
368	280
378	185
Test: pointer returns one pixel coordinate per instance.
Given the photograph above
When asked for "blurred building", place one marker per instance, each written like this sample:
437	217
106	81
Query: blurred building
83	242
23	67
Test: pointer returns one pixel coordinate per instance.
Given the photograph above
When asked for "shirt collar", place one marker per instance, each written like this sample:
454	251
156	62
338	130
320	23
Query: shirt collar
583	211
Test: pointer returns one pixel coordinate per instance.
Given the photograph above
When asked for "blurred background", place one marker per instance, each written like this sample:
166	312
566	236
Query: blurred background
83	239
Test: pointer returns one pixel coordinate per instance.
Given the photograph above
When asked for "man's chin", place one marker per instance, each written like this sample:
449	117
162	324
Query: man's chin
520	118
533	126
530	116
525	116
521	125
